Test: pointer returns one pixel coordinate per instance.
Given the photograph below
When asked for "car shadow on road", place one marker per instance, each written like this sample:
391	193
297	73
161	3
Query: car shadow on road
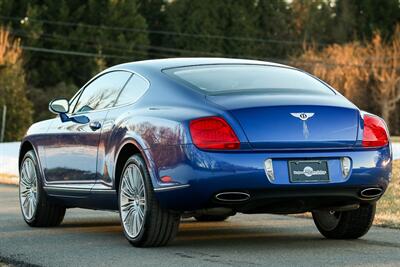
193	234
95	220
90	224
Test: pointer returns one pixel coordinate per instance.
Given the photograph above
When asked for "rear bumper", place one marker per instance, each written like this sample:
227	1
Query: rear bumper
199	175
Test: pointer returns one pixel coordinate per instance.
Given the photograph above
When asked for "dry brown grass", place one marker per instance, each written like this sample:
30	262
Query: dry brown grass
388	209
8	179
395	139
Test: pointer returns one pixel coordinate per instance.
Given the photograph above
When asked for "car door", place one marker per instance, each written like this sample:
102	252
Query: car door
71	151
133	90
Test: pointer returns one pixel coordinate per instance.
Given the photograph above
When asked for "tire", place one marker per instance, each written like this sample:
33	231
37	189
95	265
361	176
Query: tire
211	218
42	212
346	224
144	222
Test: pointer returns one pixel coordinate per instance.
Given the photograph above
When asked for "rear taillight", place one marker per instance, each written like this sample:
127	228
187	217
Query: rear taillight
375	133
213	133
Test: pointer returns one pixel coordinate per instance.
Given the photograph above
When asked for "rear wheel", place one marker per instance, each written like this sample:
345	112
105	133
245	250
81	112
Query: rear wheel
37	209
144	221
211	218
346	224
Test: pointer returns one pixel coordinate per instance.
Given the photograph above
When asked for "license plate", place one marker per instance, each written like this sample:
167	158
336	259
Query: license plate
308	171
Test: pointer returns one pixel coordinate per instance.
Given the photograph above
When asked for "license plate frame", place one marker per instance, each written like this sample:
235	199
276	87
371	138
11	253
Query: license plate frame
308	171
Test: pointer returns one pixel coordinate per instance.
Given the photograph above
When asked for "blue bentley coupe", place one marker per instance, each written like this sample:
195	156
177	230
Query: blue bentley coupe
158	140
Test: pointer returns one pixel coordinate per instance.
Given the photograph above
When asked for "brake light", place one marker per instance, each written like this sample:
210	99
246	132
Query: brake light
375	133
213	133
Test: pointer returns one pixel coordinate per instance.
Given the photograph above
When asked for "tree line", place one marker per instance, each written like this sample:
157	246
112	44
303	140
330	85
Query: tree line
64	43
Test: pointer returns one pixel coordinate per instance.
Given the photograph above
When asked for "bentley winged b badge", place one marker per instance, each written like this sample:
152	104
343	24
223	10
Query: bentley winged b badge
304	117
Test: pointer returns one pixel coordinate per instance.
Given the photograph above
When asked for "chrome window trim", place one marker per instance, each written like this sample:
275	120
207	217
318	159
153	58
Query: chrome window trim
123	88
265	64
80	91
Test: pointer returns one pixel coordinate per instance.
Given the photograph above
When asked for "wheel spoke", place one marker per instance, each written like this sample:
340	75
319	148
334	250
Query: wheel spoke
24	180
25	201
28	205
34	201
30	169
136	181
25	176
141	189
28	172
127	206
137	223
32	206
24	192
129	184
142	201
132	200
127	216
125	193
28	188
133	224
141	213
24	183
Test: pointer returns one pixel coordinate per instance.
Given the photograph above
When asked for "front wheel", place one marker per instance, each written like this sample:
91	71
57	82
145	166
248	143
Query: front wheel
346	224
37	209
144	221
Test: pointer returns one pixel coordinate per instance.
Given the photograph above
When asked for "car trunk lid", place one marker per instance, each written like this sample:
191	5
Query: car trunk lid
279	121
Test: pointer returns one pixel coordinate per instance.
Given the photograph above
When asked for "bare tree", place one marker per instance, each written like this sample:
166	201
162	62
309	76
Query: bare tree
384	59
12	87
10	50
342	66
354	68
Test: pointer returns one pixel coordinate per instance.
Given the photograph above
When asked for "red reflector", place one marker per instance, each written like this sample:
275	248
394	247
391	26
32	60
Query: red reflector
213	133
166	179
375	134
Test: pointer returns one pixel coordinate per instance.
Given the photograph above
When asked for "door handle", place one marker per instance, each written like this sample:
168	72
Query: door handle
95	125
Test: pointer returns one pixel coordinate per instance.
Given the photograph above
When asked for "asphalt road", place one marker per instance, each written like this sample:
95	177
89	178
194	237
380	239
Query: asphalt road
94	238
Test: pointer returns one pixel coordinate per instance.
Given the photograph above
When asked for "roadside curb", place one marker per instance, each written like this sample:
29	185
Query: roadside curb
10	180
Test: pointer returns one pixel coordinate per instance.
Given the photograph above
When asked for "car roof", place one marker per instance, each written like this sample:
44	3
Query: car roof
160	64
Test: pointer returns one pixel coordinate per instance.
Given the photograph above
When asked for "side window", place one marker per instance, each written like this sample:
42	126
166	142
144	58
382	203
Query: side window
102	92
133	90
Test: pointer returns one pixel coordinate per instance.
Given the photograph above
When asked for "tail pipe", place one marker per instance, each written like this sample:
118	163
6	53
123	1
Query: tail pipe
372	192
232	196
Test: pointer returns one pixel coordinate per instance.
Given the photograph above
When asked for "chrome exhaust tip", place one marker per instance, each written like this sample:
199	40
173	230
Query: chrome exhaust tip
371	192
232	196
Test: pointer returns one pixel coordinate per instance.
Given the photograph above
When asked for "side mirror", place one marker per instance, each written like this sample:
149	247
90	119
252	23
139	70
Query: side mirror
59	106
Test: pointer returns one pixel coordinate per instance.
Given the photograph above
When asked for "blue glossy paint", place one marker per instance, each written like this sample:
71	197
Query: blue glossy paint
209	173
73	155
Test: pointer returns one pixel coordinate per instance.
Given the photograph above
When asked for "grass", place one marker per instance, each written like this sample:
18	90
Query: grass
388	209
395	139
8	179
6	176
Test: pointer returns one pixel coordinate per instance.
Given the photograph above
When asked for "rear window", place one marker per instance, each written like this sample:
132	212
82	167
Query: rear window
220	79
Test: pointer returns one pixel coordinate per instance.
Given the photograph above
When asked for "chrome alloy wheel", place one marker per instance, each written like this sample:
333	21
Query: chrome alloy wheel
28	188
132	201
